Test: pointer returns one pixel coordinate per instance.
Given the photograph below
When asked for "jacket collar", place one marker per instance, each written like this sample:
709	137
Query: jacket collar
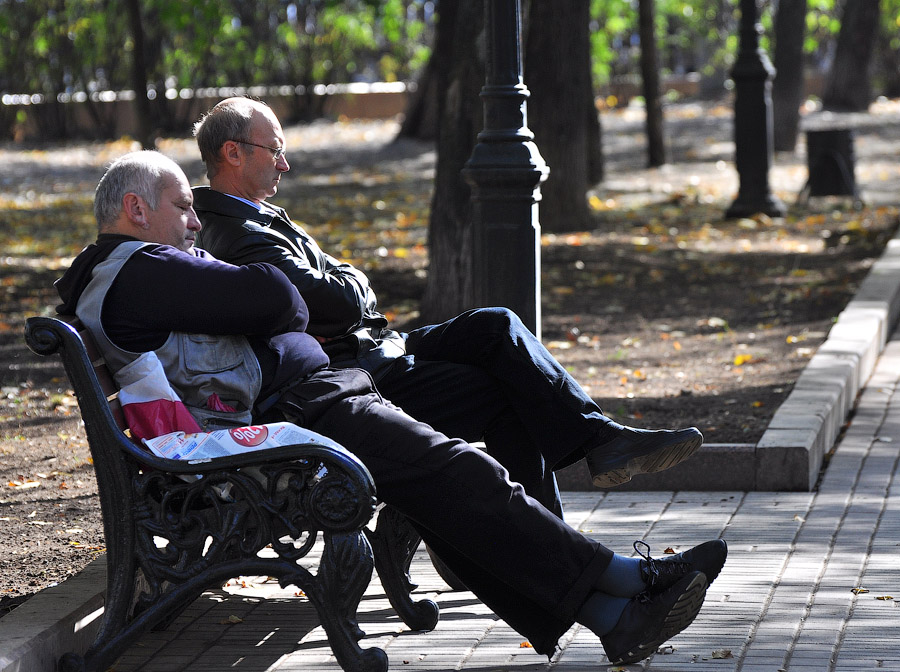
207	199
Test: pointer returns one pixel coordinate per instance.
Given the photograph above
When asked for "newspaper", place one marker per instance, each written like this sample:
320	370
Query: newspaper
207	445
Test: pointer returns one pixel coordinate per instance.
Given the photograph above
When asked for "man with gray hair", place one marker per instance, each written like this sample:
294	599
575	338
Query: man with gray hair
482	376
238	333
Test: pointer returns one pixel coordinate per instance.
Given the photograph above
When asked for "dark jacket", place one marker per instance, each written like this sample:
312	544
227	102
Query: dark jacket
342	305
161	290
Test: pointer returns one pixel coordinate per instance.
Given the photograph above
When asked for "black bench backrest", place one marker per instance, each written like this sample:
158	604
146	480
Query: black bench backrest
104	376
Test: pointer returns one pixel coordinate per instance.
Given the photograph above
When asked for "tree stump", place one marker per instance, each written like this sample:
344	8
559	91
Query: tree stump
831	162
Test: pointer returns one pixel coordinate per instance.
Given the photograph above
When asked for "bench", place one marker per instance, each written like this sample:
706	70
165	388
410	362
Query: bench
170	538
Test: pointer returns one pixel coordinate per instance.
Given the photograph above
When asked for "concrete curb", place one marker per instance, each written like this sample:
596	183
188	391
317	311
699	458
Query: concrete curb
55	621
805	427
807	424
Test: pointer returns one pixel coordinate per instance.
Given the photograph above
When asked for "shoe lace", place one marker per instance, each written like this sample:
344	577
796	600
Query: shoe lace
653	569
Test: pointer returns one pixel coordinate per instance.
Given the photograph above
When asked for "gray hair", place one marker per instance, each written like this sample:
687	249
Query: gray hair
228	120
145	173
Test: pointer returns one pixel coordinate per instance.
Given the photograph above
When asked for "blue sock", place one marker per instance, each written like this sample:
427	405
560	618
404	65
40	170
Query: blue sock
600	612
622	578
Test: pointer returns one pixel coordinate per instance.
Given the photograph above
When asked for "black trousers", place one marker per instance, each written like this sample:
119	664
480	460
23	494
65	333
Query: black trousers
518	557
483	376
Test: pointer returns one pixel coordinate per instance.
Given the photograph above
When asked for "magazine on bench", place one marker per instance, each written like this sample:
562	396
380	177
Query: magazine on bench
206	445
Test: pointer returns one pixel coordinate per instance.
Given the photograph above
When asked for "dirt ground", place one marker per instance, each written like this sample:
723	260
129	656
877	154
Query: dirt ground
667	314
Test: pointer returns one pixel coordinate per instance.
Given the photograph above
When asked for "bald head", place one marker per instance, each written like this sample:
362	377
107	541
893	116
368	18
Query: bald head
242	144
230	119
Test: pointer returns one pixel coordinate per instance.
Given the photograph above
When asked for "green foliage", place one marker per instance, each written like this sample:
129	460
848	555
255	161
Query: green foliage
63	47
692	35
60	46
890	22
702	35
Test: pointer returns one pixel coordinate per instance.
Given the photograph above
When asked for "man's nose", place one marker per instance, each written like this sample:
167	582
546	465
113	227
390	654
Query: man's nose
194	221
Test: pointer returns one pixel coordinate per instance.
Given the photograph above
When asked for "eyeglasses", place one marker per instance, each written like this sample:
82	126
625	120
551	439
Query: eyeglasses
277	152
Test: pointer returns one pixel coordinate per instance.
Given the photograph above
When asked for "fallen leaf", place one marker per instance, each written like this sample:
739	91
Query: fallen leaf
232	620
24	484
884	598
740	360
525	645
720	654
859	591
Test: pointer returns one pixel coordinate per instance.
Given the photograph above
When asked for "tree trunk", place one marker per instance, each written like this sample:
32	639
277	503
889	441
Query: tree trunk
459	76
788	86
557	74
656	147
596	169
849	86
139	76
420	121
889	66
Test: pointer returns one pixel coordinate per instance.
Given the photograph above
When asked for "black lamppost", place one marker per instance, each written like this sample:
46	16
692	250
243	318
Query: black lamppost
505	172
753	139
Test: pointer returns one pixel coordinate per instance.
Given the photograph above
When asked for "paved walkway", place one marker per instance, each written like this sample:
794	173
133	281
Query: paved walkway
785	600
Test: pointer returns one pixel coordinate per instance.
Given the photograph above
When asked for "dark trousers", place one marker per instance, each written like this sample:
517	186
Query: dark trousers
521	560
483	376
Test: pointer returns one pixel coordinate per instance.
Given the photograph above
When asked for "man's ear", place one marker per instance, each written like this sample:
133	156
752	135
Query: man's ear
231	154
135	209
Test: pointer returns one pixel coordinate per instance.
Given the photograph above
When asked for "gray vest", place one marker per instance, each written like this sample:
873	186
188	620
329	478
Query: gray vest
197	365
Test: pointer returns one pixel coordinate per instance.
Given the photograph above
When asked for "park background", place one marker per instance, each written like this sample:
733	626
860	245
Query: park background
667	311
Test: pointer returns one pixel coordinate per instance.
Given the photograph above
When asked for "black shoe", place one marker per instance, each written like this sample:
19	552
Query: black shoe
649	620
662	573
640	451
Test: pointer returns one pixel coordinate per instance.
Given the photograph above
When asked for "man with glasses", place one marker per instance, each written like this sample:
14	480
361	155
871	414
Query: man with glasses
481	376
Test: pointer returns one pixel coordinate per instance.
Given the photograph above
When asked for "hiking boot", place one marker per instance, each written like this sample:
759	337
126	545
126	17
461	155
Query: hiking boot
640	451
661	573
649	620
